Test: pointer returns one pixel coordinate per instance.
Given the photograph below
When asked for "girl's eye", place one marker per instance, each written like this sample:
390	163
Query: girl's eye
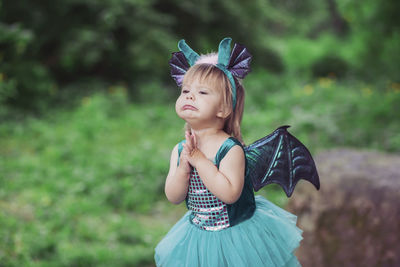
185	91
203	93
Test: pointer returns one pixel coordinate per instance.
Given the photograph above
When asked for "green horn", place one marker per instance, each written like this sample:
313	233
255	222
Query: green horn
224	51
190	55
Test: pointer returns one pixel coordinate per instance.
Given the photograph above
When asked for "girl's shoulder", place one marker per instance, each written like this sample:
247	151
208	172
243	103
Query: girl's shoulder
179	146
226	146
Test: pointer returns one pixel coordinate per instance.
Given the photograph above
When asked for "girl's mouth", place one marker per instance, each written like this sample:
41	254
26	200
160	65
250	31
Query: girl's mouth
185	107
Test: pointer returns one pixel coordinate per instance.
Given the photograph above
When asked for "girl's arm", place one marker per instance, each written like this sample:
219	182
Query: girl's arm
177	182
226	183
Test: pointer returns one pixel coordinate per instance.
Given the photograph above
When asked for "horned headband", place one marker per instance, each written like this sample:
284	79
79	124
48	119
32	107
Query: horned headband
235	64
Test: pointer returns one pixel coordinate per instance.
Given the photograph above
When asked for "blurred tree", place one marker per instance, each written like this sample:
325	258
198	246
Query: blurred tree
329	65
64	42
375	24
48	48
340	26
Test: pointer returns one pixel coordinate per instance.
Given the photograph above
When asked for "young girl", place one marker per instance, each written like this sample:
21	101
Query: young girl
225	225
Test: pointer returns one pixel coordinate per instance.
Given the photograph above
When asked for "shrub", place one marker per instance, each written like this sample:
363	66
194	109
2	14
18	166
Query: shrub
329	65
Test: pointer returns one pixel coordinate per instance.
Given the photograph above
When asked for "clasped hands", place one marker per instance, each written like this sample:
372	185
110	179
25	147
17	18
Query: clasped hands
190	153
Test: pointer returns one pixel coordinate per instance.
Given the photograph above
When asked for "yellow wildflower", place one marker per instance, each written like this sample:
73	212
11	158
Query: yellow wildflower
366	91
308	89
325	82
395	87
117	89
85	100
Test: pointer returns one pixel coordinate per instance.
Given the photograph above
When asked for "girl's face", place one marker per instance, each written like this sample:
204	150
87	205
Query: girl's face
200	104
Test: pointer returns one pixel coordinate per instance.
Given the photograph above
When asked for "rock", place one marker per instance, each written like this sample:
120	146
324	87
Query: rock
354	219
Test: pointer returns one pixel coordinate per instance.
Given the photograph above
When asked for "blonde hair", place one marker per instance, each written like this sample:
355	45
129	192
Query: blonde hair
216	78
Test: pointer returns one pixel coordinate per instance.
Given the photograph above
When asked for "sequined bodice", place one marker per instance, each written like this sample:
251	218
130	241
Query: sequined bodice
208	212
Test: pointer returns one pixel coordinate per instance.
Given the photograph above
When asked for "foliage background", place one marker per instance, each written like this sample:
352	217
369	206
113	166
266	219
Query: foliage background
87	119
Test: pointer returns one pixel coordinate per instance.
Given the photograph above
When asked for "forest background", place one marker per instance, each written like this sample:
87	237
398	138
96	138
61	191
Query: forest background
87	118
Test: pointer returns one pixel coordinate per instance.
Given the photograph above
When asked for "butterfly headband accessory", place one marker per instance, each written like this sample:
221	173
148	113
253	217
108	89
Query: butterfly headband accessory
233	64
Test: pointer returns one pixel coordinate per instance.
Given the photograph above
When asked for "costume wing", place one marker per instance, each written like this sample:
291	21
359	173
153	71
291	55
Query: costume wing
280	158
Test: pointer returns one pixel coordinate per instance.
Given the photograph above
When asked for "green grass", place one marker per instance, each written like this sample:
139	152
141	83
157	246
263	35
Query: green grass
73	185
84	187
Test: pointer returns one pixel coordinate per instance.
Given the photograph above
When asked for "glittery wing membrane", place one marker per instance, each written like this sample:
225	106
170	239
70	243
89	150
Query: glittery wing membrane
179	66
280	158
239	63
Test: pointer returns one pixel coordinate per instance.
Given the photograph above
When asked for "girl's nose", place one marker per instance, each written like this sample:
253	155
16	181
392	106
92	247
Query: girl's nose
189	96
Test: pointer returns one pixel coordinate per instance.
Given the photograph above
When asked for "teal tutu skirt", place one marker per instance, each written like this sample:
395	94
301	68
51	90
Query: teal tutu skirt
268	238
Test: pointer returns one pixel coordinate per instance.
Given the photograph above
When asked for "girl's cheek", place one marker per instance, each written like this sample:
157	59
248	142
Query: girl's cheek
177	105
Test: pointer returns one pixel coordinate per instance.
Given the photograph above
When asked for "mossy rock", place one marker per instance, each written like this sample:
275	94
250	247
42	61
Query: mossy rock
354	219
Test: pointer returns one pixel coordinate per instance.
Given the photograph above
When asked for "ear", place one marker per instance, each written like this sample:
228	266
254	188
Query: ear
223	113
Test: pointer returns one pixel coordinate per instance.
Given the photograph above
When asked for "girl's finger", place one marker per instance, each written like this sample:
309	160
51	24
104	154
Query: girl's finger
189	142
194	141
187	135
183	155
186	151
185	148
191	139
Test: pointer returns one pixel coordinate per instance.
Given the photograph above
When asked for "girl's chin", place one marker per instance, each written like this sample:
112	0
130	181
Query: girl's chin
189	120
186	116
